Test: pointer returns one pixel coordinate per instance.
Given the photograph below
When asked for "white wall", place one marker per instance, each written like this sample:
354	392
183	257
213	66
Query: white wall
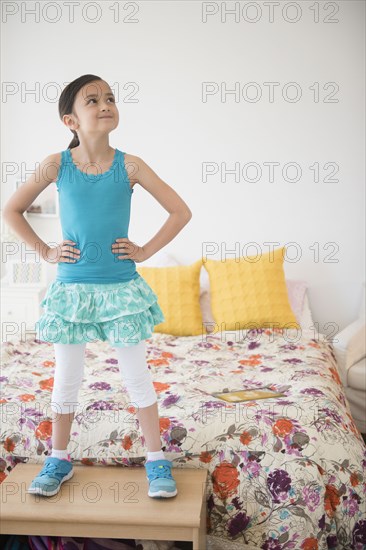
163	58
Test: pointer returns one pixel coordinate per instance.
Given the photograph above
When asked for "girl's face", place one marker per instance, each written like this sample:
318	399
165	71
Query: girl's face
95	110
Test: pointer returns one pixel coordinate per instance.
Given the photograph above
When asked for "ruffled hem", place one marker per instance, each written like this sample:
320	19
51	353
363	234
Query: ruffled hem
122	313
123	331
89	302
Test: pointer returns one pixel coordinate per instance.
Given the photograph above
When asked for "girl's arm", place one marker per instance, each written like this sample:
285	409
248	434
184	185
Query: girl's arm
179	212
45	173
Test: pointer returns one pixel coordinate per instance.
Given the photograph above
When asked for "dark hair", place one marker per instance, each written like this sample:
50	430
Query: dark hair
67	99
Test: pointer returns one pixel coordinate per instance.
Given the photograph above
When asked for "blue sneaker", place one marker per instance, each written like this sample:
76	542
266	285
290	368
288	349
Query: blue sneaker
161	481
53	474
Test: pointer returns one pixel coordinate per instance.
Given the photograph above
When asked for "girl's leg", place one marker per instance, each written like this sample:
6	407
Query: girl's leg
69	372
137	378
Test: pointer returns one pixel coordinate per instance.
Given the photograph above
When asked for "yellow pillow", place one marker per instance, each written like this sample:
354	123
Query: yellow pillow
178	291
250	293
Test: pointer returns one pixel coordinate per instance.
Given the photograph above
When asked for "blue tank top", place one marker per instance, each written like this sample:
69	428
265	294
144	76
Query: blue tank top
94	212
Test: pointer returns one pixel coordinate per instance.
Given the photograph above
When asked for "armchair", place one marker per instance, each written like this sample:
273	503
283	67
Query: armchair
350	352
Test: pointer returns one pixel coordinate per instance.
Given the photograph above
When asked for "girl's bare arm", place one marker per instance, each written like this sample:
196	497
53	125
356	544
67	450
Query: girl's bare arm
45	173
180	214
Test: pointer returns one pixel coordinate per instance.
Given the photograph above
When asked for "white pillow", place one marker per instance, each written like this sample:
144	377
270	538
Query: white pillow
306	319
161	259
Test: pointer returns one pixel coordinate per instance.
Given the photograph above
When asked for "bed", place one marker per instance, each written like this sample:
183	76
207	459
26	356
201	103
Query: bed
283	474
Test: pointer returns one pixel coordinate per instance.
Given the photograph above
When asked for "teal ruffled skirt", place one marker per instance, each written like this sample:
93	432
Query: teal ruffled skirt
122	313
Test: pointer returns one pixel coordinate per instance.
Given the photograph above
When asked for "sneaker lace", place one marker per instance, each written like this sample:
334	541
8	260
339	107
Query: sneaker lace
49	468
160	471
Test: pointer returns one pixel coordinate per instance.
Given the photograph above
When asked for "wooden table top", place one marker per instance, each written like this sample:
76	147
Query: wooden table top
110	494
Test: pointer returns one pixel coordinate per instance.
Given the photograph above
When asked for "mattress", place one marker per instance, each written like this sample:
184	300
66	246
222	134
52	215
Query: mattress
282	473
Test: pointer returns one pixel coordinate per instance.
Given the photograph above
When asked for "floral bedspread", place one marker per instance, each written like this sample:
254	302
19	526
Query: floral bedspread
284	473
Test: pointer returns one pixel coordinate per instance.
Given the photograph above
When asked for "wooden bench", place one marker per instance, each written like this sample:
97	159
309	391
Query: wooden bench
106	502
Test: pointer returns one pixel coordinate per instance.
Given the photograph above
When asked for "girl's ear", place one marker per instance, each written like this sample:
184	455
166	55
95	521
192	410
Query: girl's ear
70	122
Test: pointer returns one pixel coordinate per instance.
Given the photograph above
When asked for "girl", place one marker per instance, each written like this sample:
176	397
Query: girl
97	294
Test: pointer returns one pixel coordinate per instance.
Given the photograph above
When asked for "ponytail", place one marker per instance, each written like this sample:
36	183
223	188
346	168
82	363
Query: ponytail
74	142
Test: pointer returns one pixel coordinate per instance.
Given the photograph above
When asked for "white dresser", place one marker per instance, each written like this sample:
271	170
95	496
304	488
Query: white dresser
20	309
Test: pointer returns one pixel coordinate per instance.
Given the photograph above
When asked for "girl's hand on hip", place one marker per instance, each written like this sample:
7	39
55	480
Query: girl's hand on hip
131	250
64	252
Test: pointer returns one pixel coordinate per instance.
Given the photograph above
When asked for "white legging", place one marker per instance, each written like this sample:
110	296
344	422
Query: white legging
69	373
